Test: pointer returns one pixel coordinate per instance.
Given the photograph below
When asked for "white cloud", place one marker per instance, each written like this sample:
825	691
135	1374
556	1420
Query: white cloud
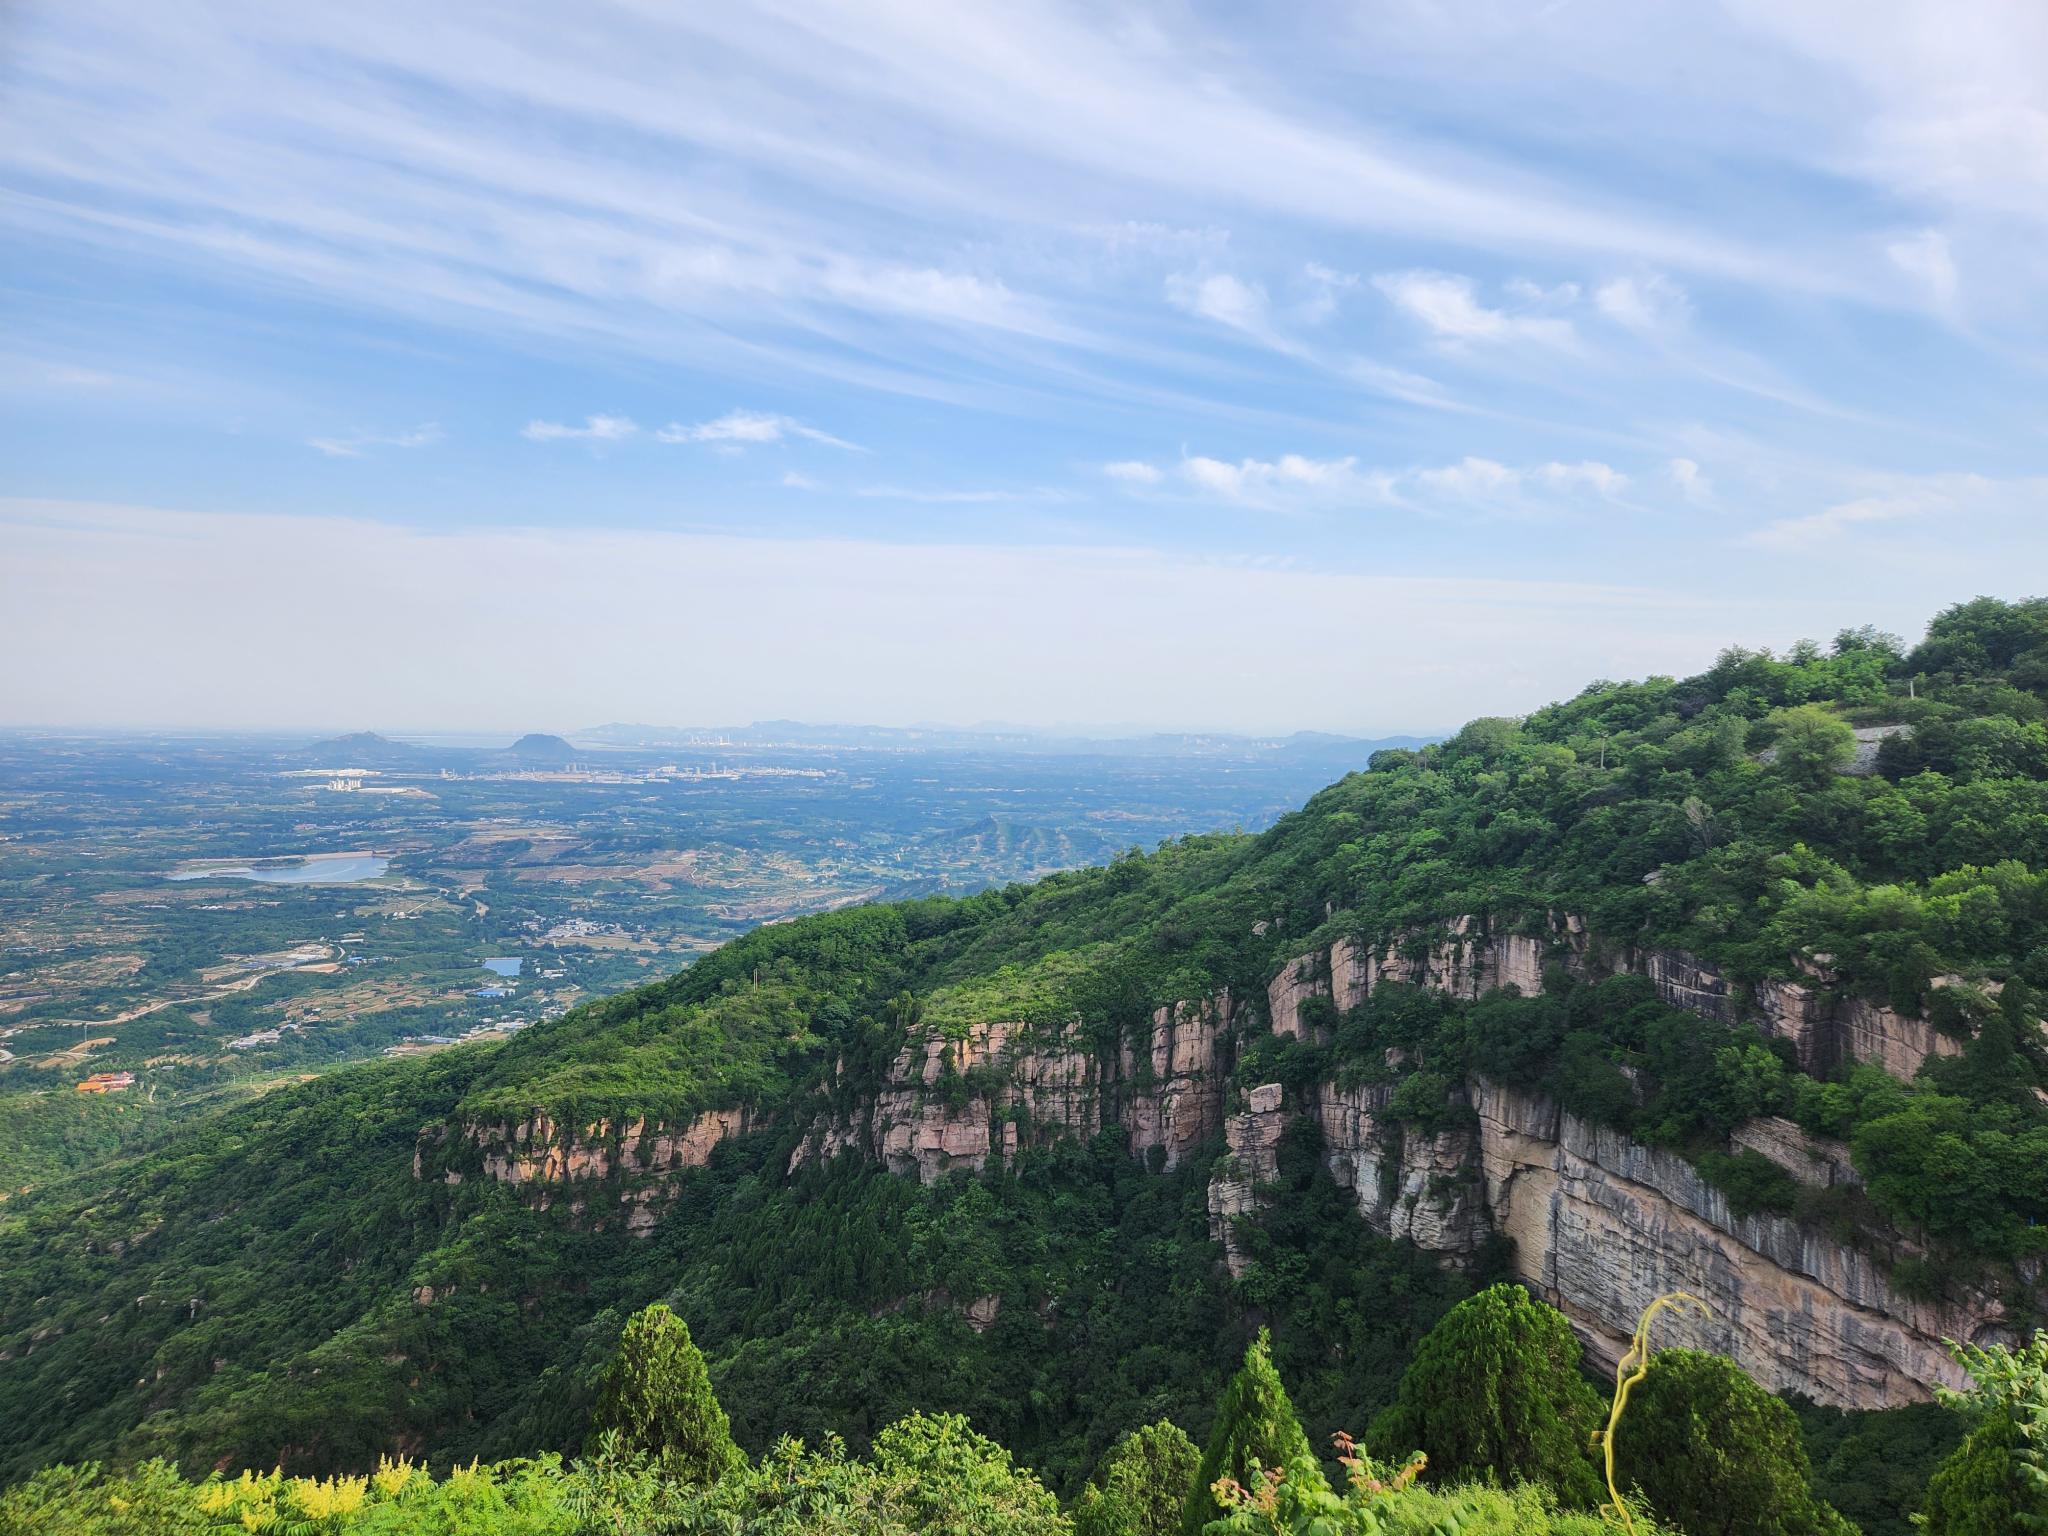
960	496
1477	479
1295	481
1471	478
1448	305
748	429
596	429
1925	257
1289	479
1219	296
796	480
1588	473
422	436
1559	296
1650	305
1691	481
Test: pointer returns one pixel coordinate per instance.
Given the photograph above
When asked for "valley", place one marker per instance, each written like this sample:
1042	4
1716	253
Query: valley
214	916
1660	988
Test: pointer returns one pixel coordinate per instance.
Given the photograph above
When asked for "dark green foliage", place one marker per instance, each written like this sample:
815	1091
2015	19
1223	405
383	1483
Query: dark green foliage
1751	1181
1495	1392
1141	1486
1255	1430
657	1400
1716	1455
1809	743
1874	1466
1984	1489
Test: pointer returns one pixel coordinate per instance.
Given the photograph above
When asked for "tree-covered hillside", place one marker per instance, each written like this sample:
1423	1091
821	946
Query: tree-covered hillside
277	1283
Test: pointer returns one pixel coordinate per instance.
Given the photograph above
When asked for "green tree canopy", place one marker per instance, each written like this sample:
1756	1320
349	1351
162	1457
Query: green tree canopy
1255	1428
1716	1455
1141	1486
1812	742
1996	1480
938	1475
1987	1488
1495	1391
657	1399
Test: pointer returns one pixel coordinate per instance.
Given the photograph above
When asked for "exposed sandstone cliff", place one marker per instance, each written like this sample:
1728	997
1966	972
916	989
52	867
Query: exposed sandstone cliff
1251	1163
1825	1026
1602	1225
550	1158
538	1151
950	1103
1409	1183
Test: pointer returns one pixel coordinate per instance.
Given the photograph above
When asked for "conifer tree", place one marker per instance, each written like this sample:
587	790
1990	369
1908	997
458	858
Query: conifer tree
1494	1391
1255	1428
657	1399
1141	1486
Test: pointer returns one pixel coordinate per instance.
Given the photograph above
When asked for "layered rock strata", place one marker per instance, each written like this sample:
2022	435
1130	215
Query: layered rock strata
1603	1225
1825	1026
951	1103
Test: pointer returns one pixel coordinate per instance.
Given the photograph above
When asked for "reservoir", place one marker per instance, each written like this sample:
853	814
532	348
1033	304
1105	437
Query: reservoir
506	966
314	869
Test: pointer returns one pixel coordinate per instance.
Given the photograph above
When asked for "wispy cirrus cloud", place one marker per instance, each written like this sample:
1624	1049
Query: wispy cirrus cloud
356	444
1925	256
1967	508
1691	480
595	429
1649	305
743	429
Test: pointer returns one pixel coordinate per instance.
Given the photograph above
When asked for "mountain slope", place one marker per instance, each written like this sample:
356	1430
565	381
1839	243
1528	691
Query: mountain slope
426	1254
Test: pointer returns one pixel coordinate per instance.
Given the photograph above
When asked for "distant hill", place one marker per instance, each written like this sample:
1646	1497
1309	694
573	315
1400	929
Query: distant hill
540	748
366	749
1345	751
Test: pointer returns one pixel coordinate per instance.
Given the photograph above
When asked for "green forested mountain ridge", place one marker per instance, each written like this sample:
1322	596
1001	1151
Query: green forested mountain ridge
431	1255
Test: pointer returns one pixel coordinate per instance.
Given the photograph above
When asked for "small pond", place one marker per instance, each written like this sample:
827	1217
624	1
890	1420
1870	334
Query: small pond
314	869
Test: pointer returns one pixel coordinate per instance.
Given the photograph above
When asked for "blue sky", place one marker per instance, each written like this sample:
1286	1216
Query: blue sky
1310	366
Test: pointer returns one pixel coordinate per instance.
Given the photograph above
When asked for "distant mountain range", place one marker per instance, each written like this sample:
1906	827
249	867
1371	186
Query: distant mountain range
795	733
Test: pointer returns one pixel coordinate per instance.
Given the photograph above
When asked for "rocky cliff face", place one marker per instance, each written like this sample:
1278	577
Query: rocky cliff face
1601	1225
1826	1027
951	1103
1410	1184
550	1159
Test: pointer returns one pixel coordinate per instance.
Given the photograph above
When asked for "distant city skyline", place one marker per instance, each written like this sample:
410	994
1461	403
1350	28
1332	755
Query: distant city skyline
1181	366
